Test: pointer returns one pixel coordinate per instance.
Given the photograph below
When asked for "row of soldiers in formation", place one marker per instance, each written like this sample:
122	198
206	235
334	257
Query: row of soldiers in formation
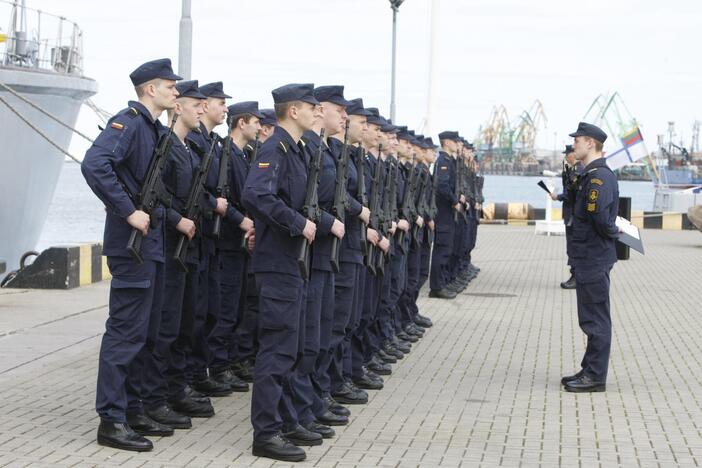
289	254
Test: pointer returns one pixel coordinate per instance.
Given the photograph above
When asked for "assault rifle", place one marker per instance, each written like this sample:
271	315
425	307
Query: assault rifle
361	195
375	219
340	197
408	210
252	159
223	190
310	210
153	191
193	205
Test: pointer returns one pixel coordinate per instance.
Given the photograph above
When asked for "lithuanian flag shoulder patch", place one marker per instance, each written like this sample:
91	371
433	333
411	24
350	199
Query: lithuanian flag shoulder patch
117	125
263	165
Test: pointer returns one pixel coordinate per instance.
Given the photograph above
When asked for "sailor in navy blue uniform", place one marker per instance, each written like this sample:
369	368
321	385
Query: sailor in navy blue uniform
275	194
348	281
362	341
447	204
309	410
569	178
593	254
245	335
167	402
202	298
233	255
114	168
430	228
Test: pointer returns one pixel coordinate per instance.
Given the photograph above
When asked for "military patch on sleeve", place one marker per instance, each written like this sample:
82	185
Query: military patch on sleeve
443	168
264	165
591	207
594	193
597	181
117	125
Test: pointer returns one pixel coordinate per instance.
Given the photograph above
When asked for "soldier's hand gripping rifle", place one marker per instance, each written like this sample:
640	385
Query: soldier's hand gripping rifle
422	208
361	195
432	204
193	205
386	212
153	190
252	159
408	211
374	222
310	210
340	197
223	190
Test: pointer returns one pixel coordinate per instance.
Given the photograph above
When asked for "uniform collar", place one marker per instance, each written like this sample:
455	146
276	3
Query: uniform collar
142	110
285	137
599	162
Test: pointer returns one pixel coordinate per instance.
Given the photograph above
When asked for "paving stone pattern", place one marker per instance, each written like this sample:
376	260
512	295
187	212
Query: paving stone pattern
481	389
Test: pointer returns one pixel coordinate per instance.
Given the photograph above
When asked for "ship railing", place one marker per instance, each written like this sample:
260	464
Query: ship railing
40	40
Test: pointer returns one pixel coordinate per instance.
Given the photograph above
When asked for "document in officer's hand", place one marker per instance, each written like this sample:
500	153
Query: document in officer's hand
629	234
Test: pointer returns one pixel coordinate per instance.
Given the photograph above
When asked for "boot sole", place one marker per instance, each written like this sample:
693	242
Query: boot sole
288	458
153	433
109	443
597	389
348	401
304	443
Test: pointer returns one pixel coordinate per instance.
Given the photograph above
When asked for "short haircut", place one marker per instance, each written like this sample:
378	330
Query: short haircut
141	88
245	117
598	144
281	108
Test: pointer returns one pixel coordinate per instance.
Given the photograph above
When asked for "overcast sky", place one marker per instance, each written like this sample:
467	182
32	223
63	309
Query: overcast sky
489	52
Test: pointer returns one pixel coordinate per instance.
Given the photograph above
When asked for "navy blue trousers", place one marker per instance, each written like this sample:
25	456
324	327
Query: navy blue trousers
171	313
281	304
592	290
441	257
127	369
221	339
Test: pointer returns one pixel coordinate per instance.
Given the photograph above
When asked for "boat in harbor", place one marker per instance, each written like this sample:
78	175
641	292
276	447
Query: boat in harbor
677	179
42	88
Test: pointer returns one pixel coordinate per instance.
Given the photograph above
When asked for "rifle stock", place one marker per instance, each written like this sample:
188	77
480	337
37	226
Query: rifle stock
311	209
151	192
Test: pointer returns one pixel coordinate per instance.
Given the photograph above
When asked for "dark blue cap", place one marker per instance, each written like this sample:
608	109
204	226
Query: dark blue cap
246	107
268	117
334	94
429	143
355	107
214	90
589	130
295	92
160	68
449	135
388	127
189	89
568	149
374	117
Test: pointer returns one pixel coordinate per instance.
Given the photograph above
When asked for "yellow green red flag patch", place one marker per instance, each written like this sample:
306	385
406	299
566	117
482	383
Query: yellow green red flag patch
117	125
263	165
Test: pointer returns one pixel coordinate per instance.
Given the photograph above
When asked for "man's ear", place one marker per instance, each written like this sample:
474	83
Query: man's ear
178	109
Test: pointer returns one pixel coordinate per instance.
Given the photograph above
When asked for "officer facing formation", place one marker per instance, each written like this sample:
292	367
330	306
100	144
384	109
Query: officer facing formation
592	255
290	253
569	177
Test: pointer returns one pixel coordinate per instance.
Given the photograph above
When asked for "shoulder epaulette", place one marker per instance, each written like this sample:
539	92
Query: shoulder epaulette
303	142
248	147
283	146
133	112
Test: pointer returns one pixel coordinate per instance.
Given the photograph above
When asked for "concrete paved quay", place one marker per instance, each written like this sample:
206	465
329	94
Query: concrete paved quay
481	389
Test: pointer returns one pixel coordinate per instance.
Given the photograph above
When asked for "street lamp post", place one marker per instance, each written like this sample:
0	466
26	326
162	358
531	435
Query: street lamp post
395	6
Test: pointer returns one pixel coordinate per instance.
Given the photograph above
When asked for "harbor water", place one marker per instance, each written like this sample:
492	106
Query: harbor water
76	215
